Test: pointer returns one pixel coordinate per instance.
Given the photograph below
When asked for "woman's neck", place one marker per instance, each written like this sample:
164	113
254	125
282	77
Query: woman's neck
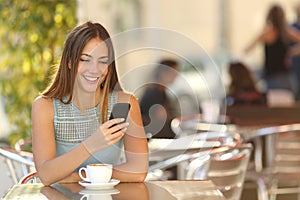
86	101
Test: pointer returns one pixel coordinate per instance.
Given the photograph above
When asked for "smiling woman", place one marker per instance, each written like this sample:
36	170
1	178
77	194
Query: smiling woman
70	126
92	66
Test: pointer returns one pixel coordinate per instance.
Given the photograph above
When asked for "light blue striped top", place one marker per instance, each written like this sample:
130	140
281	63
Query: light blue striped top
71	127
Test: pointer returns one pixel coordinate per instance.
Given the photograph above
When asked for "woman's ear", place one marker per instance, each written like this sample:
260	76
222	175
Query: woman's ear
69	65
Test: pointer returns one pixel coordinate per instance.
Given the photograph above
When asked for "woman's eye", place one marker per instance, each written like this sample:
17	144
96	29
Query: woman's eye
103	62
84	60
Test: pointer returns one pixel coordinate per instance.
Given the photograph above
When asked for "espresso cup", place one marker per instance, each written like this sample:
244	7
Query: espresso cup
96	173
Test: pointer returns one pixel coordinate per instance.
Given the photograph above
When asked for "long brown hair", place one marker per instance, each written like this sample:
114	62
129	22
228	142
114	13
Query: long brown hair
276	17
62	83
241	78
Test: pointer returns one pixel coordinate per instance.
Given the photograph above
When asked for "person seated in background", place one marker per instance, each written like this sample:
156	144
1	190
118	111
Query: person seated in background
242	89
156	107
295	59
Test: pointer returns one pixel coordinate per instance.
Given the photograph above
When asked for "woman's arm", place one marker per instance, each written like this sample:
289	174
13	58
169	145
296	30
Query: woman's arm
295	36
263	36
52	169
136	148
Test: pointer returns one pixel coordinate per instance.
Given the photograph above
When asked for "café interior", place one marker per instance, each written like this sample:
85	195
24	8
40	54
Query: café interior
219	151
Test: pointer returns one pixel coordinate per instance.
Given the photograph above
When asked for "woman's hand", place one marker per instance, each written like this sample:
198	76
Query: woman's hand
108	133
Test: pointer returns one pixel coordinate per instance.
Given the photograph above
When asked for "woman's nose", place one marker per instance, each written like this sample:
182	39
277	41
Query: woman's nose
94	67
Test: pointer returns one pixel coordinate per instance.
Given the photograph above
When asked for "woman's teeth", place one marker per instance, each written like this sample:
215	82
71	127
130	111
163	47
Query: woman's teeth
91	78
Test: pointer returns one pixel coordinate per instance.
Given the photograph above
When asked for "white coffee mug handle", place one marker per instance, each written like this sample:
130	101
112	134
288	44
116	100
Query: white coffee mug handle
80	174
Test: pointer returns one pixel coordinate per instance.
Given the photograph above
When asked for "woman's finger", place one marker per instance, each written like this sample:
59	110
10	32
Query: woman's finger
112	122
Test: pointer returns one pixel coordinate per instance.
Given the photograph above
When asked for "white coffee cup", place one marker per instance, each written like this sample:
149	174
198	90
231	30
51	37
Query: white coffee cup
210	111
96	197
96	173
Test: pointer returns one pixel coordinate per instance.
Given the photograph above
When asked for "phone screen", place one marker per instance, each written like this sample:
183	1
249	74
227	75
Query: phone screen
120	110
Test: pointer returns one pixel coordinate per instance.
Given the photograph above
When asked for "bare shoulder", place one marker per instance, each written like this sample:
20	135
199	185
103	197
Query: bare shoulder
125	97
42	104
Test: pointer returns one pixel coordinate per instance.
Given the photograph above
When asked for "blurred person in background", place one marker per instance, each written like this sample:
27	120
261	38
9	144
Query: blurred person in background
242	89
156	107
296	59
276	37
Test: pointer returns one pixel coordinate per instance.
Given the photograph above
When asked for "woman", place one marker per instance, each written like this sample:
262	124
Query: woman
70	126
276	37
242	89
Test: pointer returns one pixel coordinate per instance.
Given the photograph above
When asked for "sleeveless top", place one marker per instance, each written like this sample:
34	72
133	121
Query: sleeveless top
275	58
72	126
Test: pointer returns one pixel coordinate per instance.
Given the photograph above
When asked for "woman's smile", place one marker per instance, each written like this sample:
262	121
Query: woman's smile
91	79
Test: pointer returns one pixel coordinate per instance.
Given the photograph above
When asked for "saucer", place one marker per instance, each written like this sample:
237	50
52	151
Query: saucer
99	192
99	186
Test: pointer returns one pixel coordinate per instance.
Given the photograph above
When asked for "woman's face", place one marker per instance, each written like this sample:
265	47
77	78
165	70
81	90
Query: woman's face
92	66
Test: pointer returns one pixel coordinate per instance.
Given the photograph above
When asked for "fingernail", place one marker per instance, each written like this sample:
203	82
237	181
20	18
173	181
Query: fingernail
122	119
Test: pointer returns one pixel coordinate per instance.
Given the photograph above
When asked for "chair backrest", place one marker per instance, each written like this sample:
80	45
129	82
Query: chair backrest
192	146
287	148
155	171
30	178
227	169
280	162
283	146
192	124
17	164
